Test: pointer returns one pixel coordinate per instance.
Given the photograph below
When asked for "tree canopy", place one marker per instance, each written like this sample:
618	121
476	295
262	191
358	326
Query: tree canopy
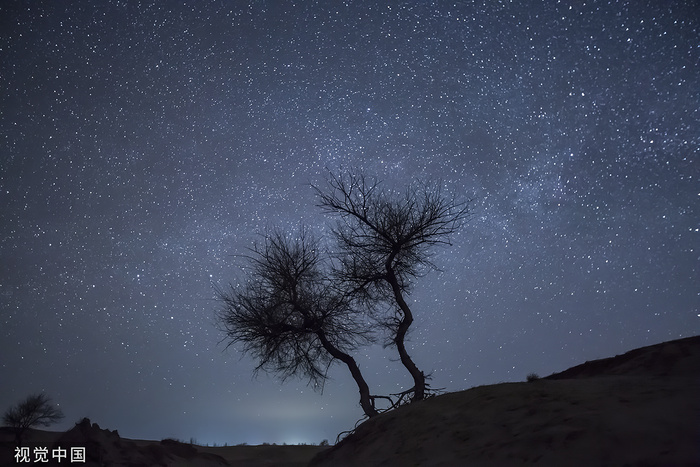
290	317
300	309
385	240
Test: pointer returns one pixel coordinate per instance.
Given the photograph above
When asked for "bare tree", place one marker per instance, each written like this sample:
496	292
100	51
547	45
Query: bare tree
289	316
385	241
35	410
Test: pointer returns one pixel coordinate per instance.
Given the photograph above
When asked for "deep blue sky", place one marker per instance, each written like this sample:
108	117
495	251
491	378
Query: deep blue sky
144	144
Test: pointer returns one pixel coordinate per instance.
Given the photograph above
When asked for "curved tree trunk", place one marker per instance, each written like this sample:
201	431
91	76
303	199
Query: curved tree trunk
404	324
365	400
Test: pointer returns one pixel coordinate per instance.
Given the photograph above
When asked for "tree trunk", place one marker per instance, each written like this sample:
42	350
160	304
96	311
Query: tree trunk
365	401
404	324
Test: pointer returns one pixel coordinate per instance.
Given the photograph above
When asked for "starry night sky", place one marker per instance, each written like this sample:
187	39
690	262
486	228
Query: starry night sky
143	145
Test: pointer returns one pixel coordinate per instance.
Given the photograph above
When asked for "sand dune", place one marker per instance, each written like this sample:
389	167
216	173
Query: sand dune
638	409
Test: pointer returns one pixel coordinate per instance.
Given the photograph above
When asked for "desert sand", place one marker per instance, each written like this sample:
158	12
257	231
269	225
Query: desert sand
637	409
641	408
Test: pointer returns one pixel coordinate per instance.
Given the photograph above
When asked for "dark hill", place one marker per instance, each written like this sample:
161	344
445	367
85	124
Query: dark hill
638	409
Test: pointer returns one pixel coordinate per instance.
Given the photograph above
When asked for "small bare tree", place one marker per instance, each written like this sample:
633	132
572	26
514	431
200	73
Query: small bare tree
35	410
289	316
385	240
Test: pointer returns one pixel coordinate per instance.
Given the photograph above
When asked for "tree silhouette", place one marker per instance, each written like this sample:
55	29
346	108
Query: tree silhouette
385	240
289	317
35	410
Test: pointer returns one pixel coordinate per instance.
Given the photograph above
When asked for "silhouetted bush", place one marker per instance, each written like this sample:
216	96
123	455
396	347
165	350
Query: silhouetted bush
35	410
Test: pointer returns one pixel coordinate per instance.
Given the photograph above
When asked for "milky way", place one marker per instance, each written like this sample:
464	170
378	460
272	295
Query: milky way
145	145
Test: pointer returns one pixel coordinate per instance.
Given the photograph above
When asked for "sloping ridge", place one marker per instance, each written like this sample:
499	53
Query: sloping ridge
639	408
674	358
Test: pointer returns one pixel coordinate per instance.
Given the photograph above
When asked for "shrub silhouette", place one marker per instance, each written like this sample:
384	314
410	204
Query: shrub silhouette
35	410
